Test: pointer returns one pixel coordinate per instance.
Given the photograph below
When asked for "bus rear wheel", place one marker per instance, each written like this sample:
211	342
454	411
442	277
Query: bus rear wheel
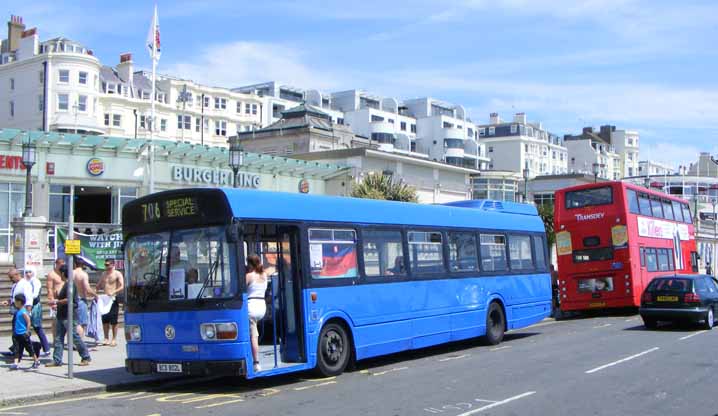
333	350
495	324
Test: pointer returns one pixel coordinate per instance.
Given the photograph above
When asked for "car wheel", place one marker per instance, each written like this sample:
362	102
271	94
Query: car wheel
495	324
650	323
333	351
709	320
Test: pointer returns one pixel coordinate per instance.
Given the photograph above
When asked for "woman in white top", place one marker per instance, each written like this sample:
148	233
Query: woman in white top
256	305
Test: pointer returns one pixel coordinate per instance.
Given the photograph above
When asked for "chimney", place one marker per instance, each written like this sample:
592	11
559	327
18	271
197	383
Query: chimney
494	118
15	27
124	69
520	118
587	130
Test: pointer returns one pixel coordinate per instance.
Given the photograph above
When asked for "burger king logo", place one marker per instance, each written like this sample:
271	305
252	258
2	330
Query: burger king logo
95	166
304	186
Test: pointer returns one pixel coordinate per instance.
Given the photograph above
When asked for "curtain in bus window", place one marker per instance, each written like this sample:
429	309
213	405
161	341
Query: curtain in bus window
520	252
651	260
644	205
462	252
667	210
425	252
539	253
493	252
332	253
656	207
677	211
383	253
633	202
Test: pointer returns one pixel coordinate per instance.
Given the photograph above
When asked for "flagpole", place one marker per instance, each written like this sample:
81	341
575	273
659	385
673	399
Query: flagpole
151	149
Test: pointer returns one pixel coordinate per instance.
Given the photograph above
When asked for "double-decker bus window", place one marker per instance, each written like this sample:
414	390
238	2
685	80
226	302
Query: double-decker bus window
642	255
426	253
332	253
589	197
651	260
462	252
493	252
677	211
656	207
594	254
520	252
644	204
633	202
663	264
668	210
383	253
671	265
539	253
686	214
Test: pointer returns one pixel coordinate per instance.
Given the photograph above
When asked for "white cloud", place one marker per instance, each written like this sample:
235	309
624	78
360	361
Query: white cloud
242	63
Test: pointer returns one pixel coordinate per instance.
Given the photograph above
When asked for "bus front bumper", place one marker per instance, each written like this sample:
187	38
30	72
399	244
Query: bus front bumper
188	368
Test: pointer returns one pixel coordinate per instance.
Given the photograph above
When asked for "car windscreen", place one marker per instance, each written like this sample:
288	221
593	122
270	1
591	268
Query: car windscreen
671	284
589	197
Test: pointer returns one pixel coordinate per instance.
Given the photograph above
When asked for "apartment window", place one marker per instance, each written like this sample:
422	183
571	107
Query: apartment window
184	122
41	75
107	120
82	78
64	76
376	119
239	107
492	131
220	103
63	102
254	109
206	101
163	124
391	121
40	104
82	103
12	83
491	149
340	121
448	125
116	120
514	128
402	126
553	155
143	121
526	148
12	108
413	128
482	131
220	128
197	124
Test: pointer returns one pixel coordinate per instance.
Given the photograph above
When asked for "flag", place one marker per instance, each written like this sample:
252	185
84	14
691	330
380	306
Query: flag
153	37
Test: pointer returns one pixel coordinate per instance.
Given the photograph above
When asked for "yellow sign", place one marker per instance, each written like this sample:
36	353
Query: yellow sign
72	247
563	243
619	235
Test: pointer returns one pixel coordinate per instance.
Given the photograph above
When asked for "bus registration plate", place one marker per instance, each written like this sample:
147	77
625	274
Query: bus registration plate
597	304
169	368
667	298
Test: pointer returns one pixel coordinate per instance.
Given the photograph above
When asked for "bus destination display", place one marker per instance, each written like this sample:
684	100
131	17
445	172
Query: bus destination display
171	208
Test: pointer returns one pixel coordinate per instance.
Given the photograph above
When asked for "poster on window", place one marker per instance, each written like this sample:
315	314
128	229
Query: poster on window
650	227
316	256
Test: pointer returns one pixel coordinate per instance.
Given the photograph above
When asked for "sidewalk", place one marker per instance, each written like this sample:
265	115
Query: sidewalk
107	371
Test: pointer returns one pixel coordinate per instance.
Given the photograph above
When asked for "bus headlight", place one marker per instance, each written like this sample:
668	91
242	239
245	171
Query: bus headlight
223	331
133	333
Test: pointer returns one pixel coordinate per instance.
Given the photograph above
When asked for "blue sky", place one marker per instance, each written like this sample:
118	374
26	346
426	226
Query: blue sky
647	65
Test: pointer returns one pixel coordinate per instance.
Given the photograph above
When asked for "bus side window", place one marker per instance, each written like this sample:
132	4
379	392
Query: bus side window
687	214
539	253
644	205
633	202
642	255
677	211
651	260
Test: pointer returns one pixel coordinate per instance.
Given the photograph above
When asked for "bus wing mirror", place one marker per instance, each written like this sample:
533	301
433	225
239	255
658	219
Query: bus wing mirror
234	231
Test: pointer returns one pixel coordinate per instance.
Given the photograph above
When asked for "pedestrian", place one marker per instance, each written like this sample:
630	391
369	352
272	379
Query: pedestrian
54	282
15	277
82	283
554	291
21	333
61	325
112	283
36	314
257	307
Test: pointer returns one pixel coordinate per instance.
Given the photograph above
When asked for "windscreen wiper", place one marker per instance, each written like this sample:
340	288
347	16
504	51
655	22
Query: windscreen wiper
210	277
150	287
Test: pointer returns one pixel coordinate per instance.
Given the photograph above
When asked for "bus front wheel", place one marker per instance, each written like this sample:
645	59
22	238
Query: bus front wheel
333	350
495	324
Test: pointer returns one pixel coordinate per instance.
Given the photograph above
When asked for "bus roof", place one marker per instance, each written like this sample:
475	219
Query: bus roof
626	185
300	207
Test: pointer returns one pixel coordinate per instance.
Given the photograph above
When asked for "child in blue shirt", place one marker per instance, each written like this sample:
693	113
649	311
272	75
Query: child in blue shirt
21	335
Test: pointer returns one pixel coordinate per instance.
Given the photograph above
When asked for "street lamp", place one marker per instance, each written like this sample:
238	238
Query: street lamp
526	184
236	156
29	157
595	172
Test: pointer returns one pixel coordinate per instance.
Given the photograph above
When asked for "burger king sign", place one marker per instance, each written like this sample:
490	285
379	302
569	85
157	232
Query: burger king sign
95	166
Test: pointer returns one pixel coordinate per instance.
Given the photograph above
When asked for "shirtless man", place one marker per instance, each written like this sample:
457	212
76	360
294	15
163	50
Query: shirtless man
54	283
84	291
112	283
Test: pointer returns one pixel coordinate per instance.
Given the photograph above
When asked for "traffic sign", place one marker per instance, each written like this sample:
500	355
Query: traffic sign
72	247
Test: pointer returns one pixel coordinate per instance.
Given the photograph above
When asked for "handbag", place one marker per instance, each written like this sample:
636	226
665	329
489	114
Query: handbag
36	315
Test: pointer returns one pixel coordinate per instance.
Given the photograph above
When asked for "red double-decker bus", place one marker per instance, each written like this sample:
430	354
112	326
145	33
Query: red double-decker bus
612	238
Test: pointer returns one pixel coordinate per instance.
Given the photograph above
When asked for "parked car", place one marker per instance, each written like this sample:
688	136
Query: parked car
680	298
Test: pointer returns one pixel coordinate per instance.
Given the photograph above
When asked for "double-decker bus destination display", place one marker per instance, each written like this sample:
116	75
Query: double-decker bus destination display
178	207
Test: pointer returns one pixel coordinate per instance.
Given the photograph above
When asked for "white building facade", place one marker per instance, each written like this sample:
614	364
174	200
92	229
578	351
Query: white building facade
520	146
590	154
651	168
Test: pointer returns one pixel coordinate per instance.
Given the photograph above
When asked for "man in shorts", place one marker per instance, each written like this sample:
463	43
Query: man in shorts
54	283
112	283
84	292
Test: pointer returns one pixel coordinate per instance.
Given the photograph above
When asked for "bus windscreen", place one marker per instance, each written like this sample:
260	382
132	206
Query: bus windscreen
589	197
